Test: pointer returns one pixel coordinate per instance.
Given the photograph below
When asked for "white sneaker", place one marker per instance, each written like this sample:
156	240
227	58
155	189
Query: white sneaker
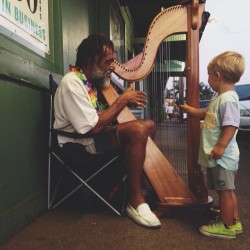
143	215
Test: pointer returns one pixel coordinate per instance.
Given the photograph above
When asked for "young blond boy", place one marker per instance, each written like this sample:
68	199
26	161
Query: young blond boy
219	151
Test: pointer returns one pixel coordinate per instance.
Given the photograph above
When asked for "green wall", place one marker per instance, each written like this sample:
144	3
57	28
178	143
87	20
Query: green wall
129	32
24	107
23	149
24	112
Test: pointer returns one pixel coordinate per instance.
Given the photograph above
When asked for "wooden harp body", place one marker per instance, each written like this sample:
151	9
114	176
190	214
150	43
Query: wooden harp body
169	187
173	20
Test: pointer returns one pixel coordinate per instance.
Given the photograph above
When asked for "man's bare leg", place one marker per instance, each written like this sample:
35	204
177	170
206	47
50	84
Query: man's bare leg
134	136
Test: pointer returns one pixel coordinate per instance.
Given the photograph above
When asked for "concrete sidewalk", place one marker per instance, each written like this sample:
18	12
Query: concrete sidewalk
69	229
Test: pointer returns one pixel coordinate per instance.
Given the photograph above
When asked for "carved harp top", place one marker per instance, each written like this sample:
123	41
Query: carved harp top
168	22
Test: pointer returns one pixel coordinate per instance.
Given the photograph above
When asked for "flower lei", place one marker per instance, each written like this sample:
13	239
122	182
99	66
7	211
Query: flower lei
88	85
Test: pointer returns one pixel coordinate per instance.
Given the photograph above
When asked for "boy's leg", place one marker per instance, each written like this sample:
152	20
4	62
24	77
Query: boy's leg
236	208
226	206
237	223
222	180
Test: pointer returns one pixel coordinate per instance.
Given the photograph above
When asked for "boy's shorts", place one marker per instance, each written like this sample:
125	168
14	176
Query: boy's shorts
219	178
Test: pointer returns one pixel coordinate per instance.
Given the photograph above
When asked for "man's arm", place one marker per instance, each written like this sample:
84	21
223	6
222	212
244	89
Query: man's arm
129	96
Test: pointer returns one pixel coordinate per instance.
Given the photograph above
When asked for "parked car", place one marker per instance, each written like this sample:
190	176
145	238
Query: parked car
204	103
243	91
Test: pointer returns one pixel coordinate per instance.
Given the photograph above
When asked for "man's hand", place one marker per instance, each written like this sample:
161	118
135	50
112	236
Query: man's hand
137	98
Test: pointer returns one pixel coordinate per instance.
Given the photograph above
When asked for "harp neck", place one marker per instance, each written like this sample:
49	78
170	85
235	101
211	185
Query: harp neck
171	21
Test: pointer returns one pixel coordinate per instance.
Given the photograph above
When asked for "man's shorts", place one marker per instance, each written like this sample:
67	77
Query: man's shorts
84	163
219	178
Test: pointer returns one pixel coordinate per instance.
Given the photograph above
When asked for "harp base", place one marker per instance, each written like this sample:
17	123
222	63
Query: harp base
162	208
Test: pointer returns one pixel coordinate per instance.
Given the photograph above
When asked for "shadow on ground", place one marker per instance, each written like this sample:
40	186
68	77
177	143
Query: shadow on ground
65	228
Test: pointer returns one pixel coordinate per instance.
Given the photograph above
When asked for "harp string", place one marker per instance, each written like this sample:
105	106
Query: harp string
139	67
171	137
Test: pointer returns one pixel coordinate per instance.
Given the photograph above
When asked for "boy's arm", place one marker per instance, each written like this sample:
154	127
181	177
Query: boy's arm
200	113
226	136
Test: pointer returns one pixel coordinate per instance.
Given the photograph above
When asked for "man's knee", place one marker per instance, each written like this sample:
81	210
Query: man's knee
138	128
134	130
149	123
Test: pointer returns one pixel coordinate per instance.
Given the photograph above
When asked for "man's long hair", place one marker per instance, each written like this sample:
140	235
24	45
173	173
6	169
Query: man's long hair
92	49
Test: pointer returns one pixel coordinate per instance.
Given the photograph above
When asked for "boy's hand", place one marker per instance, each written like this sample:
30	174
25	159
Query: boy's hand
217	152
185	107
228	133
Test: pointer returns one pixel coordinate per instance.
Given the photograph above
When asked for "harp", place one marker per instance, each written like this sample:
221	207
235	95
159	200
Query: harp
169	187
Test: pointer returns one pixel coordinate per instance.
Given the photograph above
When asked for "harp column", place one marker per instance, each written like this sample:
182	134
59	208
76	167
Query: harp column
195	176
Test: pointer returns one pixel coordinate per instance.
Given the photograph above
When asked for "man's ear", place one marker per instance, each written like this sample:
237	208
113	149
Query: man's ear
89	67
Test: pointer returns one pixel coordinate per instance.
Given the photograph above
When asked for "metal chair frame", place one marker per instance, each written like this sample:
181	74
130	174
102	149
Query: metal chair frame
65	168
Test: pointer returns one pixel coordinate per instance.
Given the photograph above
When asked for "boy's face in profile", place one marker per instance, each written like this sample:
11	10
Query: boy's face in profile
213	79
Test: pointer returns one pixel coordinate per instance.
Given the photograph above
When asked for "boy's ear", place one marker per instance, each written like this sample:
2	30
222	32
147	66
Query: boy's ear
218	75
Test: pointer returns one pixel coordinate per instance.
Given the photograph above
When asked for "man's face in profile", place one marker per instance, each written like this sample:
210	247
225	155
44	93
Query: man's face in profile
101	71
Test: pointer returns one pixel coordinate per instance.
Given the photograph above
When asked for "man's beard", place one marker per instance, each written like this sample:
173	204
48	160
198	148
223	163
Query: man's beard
99	78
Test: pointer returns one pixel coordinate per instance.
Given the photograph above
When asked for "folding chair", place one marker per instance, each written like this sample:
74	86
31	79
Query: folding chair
55	154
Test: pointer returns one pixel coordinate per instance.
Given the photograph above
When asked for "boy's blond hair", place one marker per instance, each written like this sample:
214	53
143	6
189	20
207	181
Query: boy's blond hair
229	64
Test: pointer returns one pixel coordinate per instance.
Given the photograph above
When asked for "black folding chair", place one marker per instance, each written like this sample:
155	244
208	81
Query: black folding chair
57	160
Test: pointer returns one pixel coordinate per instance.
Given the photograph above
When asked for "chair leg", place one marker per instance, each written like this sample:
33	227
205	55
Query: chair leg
51	197
101	169
94	192
49	180
124	197
66	196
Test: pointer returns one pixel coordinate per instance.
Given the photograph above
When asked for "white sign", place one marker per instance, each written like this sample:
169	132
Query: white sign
28	20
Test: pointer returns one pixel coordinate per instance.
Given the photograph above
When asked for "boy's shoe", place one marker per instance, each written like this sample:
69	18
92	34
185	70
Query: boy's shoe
218	230
238	227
